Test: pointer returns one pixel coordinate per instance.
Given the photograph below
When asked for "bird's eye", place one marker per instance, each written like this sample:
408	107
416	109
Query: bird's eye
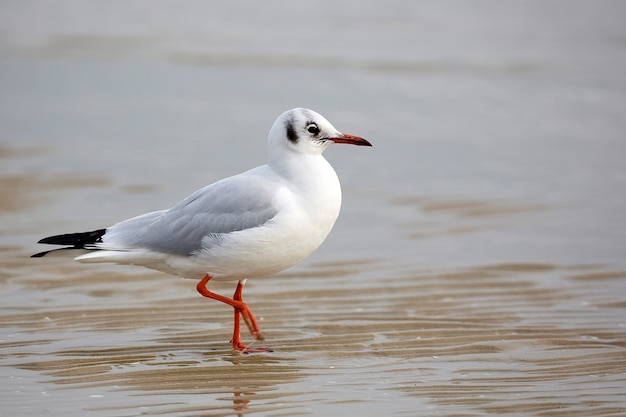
313	129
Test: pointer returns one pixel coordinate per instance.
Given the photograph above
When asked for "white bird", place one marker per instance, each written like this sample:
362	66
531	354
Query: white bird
250	225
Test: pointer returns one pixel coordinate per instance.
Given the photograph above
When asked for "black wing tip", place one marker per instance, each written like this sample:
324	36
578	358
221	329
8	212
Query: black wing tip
74	240
49	239
78	240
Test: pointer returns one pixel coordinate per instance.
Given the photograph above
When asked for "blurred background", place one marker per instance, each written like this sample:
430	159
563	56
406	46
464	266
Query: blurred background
499	139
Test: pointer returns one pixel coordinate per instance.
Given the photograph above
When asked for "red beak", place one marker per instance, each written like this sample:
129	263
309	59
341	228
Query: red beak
351	140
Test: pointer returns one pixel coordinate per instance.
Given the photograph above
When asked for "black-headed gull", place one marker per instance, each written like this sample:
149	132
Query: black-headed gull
250	225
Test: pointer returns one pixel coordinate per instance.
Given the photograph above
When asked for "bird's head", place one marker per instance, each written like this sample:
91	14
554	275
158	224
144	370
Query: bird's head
307	132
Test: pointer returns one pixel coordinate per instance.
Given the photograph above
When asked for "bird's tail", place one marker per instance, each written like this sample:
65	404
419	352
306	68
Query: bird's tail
84	240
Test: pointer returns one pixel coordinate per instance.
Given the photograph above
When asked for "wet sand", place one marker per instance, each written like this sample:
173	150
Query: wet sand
529	338
478	266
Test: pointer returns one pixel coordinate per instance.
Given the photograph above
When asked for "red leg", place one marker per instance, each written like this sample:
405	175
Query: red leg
246	313
240	308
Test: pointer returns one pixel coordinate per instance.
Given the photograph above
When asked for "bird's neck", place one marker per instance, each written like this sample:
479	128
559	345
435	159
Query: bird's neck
295	166
306	171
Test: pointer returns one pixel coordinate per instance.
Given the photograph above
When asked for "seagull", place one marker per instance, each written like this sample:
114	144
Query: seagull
251	225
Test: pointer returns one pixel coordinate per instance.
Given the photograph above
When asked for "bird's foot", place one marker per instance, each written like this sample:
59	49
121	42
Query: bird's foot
256	350
237	345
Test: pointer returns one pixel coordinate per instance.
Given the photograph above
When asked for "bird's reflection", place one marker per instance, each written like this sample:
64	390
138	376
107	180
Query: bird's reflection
241	401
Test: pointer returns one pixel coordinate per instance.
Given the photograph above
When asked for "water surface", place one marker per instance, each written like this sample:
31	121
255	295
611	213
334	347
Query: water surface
479	263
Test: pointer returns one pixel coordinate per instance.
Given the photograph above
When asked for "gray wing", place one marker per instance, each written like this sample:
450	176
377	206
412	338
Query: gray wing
233	204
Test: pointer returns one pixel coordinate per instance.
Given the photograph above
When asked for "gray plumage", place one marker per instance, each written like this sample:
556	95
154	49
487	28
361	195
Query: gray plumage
199	220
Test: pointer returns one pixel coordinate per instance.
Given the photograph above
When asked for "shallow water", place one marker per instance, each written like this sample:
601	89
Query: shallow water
478	266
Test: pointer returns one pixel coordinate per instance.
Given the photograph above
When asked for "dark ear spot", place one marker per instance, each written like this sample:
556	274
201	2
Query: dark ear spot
291	131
